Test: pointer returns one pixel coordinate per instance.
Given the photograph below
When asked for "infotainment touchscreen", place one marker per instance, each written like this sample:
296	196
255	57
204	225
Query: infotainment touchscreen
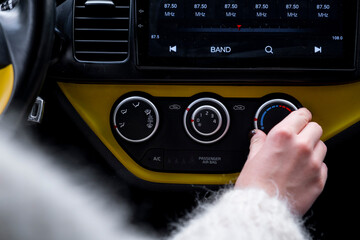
315	34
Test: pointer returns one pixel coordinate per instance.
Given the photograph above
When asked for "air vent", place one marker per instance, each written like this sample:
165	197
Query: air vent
101	30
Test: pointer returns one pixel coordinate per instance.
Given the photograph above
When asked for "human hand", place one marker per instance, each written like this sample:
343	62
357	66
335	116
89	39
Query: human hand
288	162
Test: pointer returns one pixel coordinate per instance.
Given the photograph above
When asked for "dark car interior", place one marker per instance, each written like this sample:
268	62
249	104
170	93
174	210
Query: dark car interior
157	98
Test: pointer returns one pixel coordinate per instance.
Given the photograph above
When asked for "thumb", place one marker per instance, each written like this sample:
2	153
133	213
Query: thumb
257	141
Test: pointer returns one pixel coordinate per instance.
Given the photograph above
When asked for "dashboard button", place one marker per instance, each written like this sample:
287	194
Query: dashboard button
173	48
269	49
317	49
154	159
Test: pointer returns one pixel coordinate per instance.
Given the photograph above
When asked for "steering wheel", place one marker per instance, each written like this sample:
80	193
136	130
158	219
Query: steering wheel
26	39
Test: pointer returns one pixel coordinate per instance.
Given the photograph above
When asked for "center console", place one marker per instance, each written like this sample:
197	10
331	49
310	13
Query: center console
170	89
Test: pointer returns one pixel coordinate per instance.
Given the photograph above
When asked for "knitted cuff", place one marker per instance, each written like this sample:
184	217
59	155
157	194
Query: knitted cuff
248	214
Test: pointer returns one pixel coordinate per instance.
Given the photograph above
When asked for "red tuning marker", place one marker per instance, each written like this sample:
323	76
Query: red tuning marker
239	26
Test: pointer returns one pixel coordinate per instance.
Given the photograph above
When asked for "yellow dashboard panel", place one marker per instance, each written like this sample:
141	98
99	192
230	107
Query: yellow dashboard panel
6	86
334	107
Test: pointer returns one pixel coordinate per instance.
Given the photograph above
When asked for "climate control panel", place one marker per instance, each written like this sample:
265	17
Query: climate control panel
204	133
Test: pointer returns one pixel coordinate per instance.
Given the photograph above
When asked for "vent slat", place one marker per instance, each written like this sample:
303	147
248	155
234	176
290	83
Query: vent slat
103	41
117	2
101	29
101	18
101	34
96	52
102	12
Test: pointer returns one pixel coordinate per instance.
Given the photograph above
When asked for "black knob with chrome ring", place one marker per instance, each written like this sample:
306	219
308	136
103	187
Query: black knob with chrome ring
206	120
272	112
135	119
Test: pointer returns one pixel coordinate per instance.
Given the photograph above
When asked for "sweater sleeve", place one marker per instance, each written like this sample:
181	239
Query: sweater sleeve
242	214
38	200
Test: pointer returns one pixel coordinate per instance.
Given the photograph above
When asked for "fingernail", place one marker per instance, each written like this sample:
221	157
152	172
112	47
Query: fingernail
252	133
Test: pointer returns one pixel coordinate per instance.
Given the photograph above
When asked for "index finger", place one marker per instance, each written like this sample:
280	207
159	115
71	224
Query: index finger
295	121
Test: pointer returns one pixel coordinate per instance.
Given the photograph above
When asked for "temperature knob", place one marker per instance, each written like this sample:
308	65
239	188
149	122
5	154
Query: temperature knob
135	119
271	113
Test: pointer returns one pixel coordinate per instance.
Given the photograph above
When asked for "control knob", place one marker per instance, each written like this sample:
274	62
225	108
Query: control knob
271	113
135	119
206	120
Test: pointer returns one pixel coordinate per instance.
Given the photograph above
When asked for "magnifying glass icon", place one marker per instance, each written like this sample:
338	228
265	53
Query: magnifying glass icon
269	49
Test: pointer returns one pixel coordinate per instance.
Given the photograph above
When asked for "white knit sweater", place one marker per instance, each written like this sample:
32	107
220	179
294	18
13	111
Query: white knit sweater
242	214
38	201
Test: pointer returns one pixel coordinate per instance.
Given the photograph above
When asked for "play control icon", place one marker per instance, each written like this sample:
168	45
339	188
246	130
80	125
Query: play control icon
317	49
173	48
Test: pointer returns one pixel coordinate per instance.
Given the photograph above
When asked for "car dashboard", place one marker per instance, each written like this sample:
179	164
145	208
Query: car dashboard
167	91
